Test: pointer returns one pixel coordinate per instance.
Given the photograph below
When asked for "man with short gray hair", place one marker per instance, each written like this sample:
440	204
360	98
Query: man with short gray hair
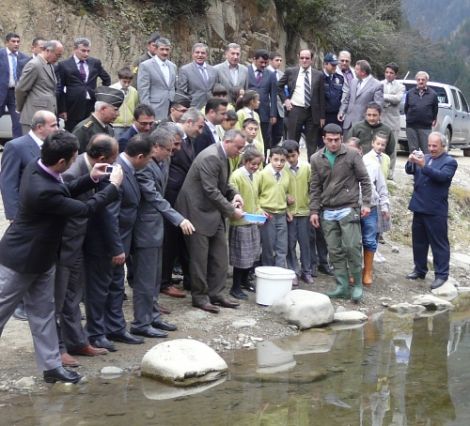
78	77
36	89
197	79
421	108
433	175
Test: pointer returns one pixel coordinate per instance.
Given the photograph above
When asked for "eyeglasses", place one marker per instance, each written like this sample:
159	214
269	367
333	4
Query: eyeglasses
304	57
183	110
146	123
345	60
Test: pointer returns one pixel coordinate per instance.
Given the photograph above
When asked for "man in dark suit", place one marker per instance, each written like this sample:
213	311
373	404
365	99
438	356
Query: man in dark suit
107	245
148	235
433	175
206	199
144	122
215	113
197	79
192	124
180	104
69	275
29	248
149	54
12	62
305	101
77	83
265	83
37	86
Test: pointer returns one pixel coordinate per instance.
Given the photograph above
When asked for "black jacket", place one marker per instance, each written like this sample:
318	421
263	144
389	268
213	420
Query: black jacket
421	111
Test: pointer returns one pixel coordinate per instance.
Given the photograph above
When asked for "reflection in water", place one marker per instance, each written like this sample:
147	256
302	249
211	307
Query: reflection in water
391	371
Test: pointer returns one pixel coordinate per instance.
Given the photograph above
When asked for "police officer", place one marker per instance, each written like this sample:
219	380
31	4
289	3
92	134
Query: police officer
108	101
333	88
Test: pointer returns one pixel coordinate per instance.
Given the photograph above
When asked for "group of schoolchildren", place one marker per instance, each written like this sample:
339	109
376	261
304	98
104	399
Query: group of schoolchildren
279	190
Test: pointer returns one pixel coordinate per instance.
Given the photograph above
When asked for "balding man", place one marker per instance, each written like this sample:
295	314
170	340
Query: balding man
36	89
433	175
108	101
344	67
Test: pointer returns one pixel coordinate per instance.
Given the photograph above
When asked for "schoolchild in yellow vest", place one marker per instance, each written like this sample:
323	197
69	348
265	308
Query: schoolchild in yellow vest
246	106
244	237
131	100
273	190
250	128
298	228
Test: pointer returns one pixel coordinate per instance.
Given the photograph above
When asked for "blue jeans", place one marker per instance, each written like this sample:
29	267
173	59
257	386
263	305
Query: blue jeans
274	241
369	230
298	231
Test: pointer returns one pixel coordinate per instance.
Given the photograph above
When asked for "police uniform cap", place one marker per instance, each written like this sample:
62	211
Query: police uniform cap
330	58
109	95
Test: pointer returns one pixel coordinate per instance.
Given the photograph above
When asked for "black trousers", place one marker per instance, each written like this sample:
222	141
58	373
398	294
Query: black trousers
301	119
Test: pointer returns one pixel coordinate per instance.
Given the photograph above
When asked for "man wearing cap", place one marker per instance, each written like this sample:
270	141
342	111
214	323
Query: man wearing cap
77	77
333	89
305	100
108	101
339	211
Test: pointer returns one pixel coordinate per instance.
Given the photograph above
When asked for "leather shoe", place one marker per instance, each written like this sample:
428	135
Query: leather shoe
149	332
20	313
173	292
225	303
415	275
163	325
326	269
437	283
68	360
208	307
61	374
163	309
103	342
238	294
125	337
89	350
306	278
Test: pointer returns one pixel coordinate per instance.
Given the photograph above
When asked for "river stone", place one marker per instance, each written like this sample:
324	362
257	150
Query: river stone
447	291
431	302
111	372
350	316
247	322
304	308
407	308
25	383
183	362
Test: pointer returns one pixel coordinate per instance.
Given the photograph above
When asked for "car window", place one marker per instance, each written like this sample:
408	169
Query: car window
463	102
455	97
441	94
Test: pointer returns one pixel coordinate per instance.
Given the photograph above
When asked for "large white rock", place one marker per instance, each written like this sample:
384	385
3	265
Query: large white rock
183	362
447	291
431	302
350	316
407	308
304	308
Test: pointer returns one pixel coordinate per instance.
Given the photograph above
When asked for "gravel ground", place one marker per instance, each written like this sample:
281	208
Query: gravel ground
250	323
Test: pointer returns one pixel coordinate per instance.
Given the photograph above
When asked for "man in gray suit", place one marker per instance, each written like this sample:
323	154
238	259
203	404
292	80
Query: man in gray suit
149	231
206	199
362	90
231	74
156	81
36	89
197	78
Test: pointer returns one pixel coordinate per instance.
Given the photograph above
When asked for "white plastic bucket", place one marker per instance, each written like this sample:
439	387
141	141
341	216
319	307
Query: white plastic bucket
272	283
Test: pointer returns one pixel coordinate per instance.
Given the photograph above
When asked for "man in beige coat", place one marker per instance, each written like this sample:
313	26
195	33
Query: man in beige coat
36	89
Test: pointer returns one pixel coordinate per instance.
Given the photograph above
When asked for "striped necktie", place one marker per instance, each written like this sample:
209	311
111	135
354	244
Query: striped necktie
307	89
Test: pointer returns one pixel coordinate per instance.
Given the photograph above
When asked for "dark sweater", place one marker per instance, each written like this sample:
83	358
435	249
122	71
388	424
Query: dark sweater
421	111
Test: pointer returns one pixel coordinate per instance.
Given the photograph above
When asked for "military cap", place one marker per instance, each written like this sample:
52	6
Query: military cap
109	95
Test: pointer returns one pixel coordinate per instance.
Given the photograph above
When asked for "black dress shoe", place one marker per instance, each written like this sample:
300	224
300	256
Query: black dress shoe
325	269
61	374
163	325
149	332
208	307
20	313
238	294
415	275
103	342
437	283
225	303
125	337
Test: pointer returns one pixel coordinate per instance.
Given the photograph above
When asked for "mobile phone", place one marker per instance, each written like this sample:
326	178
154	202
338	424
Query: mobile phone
109	169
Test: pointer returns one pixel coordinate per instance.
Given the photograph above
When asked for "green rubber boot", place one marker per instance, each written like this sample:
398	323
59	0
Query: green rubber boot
342	287
357	289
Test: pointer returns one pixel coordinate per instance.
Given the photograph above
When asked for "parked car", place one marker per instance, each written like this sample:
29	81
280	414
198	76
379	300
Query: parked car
453	118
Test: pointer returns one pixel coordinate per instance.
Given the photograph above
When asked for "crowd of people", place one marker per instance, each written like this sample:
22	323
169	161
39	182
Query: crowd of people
148	169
